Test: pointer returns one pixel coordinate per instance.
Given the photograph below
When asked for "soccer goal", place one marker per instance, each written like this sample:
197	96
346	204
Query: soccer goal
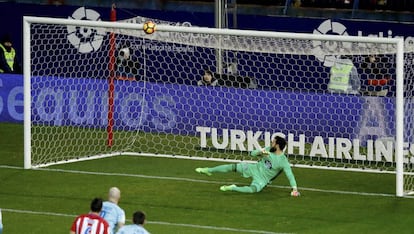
96	89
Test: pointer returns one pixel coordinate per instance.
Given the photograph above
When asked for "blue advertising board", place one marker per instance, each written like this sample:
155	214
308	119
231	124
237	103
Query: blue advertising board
11	98
181	106
175	108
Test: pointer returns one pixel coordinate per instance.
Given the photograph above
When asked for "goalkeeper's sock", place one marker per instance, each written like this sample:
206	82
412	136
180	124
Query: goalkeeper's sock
203	170
245	189
225	188
223	168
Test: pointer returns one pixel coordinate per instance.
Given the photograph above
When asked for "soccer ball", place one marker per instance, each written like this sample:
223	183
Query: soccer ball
149	27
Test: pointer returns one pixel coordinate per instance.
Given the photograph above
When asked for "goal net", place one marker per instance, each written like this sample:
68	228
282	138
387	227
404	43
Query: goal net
97	89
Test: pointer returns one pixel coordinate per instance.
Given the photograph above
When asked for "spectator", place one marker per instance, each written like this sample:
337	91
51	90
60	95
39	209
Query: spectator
236	81
377	75
208	79
91	223
8	58
126	65
138	219
344	77
228	80
111	211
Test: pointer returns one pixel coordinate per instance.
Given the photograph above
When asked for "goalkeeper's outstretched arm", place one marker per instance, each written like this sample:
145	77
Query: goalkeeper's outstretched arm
260	152
292	181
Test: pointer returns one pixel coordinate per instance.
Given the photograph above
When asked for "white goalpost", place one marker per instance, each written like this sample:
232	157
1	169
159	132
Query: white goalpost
96	89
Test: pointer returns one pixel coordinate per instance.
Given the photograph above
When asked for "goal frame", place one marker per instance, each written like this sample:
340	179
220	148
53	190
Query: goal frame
397	42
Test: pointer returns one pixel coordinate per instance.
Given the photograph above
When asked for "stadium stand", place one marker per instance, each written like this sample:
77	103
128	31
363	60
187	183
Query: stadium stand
387	10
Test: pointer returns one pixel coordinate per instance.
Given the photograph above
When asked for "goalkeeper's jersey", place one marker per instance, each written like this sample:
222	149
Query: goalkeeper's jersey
270	166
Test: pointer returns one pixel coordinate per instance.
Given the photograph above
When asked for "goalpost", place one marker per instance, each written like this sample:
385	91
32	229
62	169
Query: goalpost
156	107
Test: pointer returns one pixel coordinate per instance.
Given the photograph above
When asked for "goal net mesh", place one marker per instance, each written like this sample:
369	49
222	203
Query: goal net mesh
266	85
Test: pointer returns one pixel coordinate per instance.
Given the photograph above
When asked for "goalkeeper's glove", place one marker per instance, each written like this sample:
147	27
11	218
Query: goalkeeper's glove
295	193
265	152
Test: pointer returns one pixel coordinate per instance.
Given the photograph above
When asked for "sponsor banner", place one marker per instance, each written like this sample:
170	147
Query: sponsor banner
334	125
11	98
174	108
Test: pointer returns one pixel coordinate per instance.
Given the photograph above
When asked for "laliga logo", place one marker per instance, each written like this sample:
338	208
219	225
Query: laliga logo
85	39
325	51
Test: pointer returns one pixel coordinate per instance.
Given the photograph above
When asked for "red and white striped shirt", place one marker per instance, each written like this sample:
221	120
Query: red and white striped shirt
90	224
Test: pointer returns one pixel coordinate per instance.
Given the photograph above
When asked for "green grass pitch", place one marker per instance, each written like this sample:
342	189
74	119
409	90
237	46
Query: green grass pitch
178	200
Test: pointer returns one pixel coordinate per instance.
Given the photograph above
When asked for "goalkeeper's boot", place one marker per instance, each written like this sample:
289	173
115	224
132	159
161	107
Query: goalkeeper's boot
203	170
225	188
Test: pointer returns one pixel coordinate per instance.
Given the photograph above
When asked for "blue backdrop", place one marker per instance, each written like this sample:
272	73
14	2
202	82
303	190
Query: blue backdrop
174	108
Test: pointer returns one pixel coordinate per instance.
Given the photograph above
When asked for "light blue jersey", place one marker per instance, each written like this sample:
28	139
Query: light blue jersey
113	214
132	229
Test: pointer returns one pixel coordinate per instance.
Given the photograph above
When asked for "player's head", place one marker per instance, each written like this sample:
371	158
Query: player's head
138	218
114	194
96	205
278	142
207	76
7	42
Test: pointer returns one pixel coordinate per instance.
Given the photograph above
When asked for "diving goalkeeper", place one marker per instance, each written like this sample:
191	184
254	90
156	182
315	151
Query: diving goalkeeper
272	162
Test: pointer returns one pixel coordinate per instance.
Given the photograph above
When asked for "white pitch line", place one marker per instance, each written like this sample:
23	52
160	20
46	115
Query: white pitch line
218	182
179	179
203	181
150	222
